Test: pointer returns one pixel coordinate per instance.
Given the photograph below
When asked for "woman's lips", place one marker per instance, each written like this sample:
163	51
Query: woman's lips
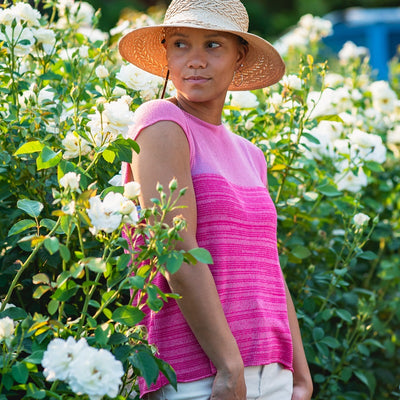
197	79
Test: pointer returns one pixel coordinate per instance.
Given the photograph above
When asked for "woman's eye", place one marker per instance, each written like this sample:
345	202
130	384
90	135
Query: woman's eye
213	45
179	44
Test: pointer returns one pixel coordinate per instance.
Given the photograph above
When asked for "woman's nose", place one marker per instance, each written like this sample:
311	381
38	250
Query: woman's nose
197	59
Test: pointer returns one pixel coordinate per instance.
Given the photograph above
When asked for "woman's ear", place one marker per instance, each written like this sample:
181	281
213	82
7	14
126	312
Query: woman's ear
243	49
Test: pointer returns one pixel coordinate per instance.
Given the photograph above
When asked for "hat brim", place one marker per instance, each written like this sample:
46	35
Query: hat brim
262	67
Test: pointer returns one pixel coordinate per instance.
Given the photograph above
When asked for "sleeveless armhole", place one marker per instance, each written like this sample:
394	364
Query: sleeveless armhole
150	113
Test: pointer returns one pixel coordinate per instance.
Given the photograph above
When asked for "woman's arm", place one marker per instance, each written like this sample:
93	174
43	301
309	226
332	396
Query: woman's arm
164	155
302	382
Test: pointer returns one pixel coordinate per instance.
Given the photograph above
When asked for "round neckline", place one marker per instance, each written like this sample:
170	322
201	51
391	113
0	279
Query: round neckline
194	117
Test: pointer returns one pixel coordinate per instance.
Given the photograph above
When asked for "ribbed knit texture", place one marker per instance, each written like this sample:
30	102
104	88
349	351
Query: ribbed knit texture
236	223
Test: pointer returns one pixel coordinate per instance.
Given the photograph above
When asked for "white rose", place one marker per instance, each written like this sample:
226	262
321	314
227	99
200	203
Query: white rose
360	220
348	181
350	51
75	146
121	27
127	207
243	99
84	51
6	16
25	12
96	373
81	12
47	38
119	91
342	99
292	82
93	35
393	136
105	215
131	190
333	79
368	146
6	328
58	357
118	116
70	181
102	72
383	97
321	103
134	77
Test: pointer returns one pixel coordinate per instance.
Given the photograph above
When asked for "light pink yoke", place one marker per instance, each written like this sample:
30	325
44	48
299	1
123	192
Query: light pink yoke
236	223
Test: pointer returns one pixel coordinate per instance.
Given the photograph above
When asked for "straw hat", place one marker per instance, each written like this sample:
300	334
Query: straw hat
263	66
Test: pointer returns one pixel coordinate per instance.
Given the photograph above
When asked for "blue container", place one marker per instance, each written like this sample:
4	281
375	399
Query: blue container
378	29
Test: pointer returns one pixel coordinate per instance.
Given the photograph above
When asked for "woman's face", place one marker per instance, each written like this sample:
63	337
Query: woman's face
202	62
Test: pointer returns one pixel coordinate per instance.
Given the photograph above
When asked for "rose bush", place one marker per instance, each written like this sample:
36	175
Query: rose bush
73	287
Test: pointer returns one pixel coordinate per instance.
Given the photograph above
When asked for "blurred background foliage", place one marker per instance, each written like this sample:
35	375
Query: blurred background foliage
268	18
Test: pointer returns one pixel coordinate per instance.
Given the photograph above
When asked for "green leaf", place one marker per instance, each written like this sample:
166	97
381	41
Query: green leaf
331	342
21	226
65	253
52	244
35	358
40	291
123	261
329	190
30	147
108	155
14	313
318	333
123	149
102	334
368	255
367	378
300	252
374	166
153	301
97	265
168	372
20	372
344	314
48	158
202	255
128	315
117	338
31	207
310	137
174	261
145	363
52	307
40	278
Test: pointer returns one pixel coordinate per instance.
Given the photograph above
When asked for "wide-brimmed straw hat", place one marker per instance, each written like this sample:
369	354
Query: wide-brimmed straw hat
262	67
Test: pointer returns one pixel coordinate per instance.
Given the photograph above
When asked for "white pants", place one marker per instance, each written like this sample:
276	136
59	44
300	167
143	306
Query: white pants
268	382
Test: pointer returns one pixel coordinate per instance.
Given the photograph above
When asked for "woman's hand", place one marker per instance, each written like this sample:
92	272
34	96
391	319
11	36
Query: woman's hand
229	386
302	391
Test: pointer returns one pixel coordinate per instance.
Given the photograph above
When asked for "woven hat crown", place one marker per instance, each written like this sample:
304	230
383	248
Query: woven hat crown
208	14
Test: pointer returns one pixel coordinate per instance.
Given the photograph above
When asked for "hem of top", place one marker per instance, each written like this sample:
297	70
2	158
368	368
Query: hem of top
283	364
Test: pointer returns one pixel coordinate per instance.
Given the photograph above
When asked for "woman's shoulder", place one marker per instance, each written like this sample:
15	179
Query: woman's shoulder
158	110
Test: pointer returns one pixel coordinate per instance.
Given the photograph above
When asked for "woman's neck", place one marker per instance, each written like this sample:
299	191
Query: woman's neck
210	111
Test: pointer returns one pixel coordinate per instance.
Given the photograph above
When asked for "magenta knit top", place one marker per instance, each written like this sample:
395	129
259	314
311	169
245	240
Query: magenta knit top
236	223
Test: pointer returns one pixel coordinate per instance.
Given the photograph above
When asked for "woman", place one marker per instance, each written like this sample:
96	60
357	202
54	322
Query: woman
234	328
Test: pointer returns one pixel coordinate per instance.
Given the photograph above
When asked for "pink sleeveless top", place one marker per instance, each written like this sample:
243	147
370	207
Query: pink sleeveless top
236	223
